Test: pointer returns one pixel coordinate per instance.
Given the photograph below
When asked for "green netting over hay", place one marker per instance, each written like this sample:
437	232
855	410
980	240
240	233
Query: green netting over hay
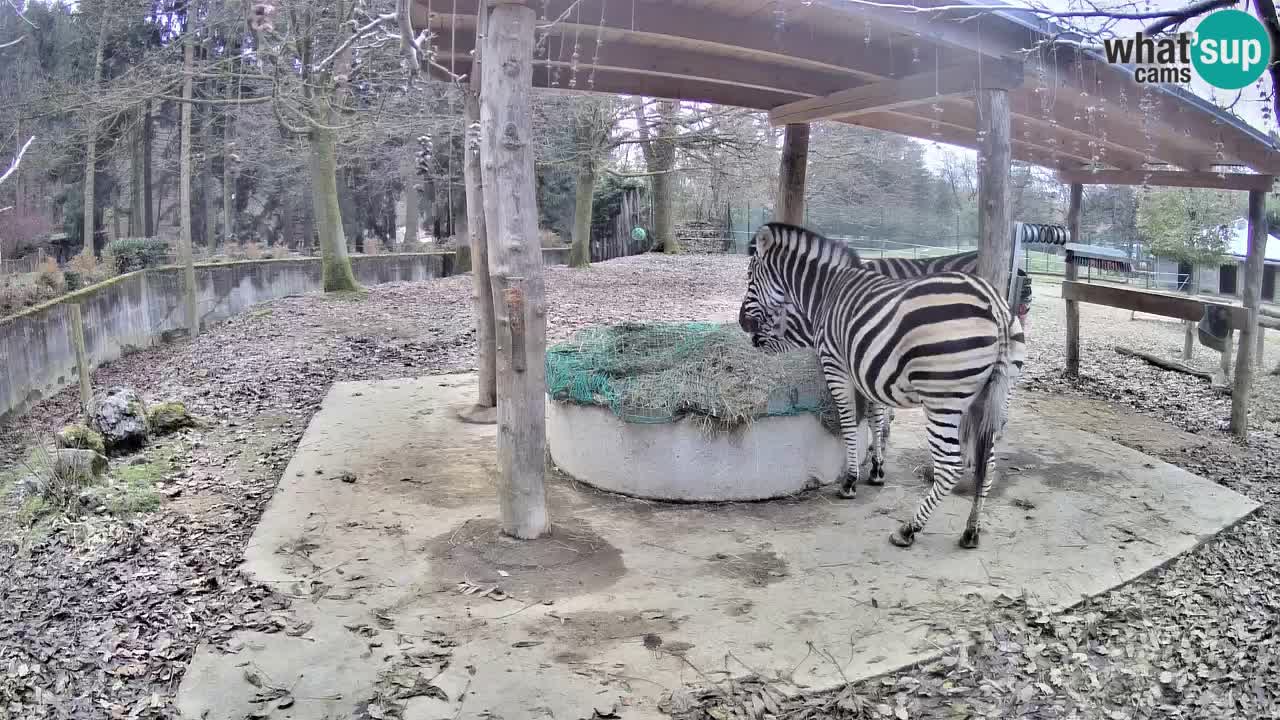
660	373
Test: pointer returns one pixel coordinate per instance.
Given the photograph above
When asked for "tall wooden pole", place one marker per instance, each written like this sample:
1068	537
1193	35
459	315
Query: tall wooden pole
481	287
1073	307
184	195
791	173
995	249
515	255
1252	297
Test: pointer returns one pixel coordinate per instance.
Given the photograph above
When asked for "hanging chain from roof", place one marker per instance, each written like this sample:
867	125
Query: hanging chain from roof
595	61
577	49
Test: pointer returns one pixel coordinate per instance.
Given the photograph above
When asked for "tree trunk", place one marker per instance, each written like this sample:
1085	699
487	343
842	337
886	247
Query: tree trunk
335	263
206	184
659	149
228	184
137	160
286	219
91	149
519	297
481	286
184	194
148	225
410	178
580	250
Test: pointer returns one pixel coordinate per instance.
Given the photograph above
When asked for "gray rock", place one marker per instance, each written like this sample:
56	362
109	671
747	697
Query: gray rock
31	486
81	467
120	416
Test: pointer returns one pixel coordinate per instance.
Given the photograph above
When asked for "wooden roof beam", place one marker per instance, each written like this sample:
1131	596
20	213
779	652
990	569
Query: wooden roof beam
901	92
976	35
922	129
626	55
1034	128
697	27
1167	178
1170	118
1121	139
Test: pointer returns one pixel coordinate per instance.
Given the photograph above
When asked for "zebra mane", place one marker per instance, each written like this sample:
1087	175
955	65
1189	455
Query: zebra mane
809	243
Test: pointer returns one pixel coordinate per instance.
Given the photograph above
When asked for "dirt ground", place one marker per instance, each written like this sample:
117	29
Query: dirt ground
99	615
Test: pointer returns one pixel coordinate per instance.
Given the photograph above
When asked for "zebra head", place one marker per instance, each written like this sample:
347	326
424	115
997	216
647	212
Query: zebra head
785	263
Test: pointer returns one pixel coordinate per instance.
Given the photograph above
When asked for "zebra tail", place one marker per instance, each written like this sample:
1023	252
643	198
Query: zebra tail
985	418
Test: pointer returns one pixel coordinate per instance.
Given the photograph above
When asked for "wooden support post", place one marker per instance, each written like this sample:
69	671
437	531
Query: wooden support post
1188	339
994	224
82	356
515	256
1252	300
1073	307
481	287
791	173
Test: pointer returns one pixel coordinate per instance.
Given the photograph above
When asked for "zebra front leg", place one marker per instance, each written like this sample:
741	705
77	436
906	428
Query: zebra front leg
851	414
882	417
943	433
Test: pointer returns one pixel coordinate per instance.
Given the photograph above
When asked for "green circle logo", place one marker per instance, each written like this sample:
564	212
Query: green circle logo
637	234
1231	49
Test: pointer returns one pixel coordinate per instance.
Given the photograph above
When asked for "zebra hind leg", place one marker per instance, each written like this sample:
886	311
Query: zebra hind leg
984	462
880	438
947	463
984	468
852	411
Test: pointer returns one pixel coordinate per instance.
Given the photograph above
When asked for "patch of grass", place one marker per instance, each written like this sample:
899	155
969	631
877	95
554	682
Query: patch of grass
33	510
134	490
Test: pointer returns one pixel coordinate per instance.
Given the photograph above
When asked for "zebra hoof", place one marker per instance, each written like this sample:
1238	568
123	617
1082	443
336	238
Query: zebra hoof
969	540
848	492
903	537
876	477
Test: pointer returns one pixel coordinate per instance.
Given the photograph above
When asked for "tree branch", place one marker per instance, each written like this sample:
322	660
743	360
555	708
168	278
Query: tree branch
1267	11
13	167
1178	17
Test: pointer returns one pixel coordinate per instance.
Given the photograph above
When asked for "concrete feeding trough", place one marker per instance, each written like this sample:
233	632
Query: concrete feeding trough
689	413
685	461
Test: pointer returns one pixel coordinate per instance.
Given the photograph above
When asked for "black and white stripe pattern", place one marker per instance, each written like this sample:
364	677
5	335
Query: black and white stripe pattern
903	269
947	343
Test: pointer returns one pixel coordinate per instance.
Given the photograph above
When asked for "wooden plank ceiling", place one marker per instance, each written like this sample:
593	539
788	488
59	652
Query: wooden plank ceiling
1071	109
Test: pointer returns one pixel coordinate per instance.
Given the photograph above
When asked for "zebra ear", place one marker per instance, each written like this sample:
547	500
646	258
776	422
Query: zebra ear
762	240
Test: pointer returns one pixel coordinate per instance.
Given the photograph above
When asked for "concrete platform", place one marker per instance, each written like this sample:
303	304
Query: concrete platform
376	565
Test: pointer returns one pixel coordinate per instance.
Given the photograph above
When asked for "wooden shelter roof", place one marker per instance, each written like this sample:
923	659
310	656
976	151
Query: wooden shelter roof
891	64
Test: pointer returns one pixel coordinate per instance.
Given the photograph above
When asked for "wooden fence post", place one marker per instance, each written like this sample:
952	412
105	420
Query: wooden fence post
1070	271
1252	297
82	356
519	298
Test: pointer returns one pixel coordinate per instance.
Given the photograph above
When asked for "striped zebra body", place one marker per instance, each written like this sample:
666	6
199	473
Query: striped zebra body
947	343
902	269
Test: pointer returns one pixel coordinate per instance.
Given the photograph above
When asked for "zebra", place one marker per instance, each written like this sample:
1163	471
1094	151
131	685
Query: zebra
947	343
901	269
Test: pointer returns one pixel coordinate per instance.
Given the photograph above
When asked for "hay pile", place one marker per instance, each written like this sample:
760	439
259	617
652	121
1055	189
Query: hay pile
661	373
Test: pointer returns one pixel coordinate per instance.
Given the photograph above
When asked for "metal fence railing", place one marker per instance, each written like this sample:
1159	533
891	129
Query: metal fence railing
22	265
